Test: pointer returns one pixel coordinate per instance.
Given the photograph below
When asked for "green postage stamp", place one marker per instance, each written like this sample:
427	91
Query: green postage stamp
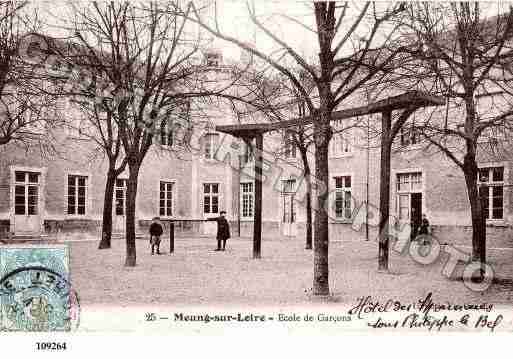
35	291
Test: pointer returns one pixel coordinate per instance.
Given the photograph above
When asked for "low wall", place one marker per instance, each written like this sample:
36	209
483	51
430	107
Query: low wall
345	231
498	236
182	227
4	229
72	228
269	229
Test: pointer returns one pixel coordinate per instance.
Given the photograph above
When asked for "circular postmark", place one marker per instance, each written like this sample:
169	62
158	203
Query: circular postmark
39	299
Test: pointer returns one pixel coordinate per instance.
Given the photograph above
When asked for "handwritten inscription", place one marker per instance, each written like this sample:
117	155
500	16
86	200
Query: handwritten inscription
425	313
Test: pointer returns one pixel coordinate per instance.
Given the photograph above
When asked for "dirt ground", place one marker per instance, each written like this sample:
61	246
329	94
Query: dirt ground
195	274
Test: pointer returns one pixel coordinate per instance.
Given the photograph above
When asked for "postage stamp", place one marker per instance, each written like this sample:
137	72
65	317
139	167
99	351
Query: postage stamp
35	291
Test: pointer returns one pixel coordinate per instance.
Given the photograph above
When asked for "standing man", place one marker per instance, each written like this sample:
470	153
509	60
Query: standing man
155	233
414	224
223	230
424	230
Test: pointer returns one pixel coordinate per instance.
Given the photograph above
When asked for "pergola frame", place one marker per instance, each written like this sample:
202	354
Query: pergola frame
409	102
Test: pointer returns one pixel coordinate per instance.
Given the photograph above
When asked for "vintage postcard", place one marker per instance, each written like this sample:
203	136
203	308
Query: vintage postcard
206	167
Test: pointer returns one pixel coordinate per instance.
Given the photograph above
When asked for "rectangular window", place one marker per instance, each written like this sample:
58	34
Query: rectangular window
213	59
416	182
409	182
409	135
210	145
288	194
343	197
404	206
406	184
289	186
77	194
26	193
20	176
403	182
19	200
166	199
211	198
166	132
491	191
247	153
247	197
120	196
290	145
341	144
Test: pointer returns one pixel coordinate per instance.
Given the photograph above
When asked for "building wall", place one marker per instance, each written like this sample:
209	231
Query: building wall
444	196
168	166
76	159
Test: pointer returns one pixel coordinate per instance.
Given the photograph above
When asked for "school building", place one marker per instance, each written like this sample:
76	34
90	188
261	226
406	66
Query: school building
61	194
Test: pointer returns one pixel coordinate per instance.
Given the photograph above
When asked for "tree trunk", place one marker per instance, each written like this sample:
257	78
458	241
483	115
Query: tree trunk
321	237
257	224
478	219
384	190
308	208
470	171
307	176
105	241
130	214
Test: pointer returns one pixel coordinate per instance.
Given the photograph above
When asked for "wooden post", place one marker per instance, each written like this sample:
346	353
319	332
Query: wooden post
238	193
384	190
257	224
171	237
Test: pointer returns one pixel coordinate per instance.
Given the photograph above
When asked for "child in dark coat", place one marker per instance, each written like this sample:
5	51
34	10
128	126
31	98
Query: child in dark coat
223	230
155	233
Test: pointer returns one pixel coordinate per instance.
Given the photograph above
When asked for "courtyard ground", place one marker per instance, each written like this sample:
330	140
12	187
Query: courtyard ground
195	275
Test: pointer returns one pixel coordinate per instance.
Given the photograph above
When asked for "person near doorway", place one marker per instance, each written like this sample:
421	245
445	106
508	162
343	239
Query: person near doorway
223	230
155	233
424	230
414	224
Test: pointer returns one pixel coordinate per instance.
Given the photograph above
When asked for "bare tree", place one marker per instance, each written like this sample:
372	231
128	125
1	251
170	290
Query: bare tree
146	62
143	50
25	110
278	100
303	140
460	53
346	39
98	123
87	113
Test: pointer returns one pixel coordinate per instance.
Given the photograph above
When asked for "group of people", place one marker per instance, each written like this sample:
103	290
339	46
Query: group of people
223	232
419	231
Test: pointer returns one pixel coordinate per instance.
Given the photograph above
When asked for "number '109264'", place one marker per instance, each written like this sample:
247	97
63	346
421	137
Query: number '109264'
51	346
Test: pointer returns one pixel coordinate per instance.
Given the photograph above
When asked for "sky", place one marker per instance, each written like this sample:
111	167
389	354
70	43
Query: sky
234	20
280	17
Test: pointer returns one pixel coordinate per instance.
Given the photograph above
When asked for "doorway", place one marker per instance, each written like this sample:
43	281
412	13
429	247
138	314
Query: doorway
416	212
409	199
211	194
27	217
288	224
119	222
